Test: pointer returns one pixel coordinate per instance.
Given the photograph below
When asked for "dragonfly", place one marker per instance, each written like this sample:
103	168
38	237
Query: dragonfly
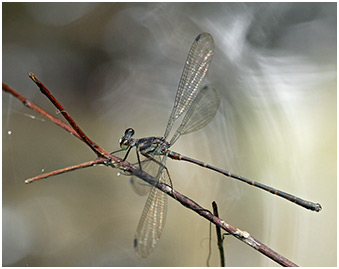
200	104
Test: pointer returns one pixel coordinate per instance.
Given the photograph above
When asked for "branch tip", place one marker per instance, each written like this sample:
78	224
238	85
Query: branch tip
33	77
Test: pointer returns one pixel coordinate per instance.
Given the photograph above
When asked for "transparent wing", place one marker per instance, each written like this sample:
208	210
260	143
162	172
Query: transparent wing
139	186
195	69
201	112
152	219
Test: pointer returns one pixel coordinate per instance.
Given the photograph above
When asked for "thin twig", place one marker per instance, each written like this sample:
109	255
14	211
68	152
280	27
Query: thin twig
116	162
31	105
67	169
220	241
55	102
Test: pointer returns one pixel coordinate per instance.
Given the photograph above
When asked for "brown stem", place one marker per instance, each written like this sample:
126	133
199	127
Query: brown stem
31	105
67	169
113	161
55	102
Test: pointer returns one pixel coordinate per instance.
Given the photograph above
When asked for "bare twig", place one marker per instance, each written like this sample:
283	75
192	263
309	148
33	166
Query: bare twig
67	169
55	102
220	241
31	105
115	162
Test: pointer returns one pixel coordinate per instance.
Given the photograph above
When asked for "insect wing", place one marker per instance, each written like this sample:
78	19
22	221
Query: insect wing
150	167
152	219
195	69
201	112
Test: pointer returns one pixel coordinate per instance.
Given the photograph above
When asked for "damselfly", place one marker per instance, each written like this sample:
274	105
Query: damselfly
200	104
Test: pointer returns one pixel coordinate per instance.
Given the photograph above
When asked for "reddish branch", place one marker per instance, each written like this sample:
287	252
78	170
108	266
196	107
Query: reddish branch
67	169
113	161
31	105
99	151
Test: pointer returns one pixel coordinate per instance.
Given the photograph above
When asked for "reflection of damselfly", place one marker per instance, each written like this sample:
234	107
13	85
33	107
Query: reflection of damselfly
200	104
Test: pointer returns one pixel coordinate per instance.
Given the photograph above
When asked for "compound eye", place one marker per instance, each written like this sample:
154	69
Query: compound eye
124	144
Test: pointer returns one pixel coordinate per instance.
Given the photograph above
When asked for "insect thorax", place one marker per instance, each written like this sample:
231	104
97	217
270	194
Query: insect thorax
153	145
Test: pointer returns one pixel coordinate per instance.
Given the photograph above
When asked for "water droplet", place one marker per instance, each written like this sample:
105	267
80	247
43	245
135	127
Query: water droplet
43	170
9	132
118	174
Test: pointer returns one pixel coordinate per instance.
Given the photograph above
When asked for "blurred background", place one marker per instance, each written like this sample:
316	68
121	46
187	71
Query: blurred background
118	65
